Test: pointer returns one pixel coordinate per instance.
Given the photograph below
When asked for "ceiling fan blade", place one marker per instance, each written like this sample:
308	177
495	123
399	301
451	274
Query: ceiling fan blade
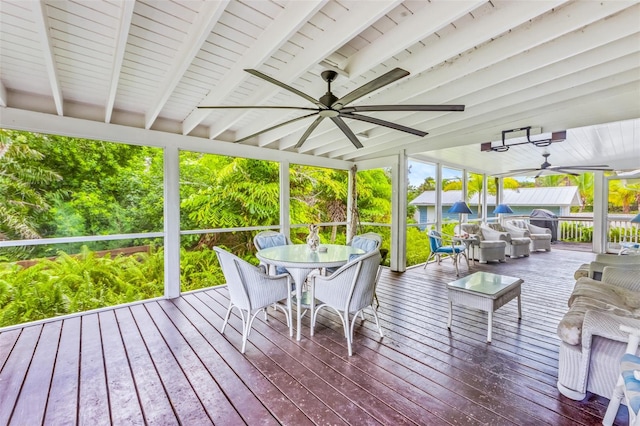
375	84
563	171
284	86
365	108
347	131
275	127
309	130
384	123
601	167
256	106
524	170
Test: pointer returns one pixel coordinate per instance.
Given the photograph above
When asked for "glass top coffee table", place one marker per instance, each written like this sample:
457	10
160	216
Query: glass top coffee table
484	291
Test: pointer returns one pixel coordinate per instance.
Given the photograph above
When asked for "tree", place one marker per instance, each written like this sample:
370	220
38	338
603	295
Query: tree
20	176
622	195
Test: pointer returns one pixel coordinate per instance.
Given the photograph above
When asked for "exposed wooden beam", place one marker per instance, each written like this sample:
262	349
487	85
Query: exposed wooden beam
124	24
431	18
44	34
278	32
198	33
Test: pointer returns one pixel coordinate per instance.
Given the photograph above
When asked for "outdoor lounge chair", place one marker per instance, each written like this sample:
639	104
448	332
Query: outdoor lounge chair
489	245
517	244
540	237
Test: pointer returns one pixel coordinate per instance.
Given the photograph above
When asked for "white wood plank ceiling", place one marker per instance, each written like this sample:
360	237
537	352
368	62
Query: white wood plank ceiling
552	65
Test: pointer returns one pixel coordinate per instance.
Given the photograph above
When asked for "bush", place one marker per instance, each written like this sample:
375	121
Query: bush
78	283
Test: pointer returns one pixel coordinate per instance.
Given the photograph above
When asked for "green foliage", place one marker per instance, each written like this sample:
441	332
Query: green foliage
21	176
577	232
200	269
87	281
417	246
229	192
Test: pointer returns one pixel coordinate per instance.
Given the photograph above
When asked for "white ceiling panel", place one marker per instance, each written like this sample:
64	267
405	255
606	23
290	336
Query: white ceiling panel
551	64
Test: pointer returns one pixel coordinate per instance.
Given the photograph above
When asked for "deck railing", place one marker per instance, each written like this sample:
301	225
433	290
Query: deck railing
580	229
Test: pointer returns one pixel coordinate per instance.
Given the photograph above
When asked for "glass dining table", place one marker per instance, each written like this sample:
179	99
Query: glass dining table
300	260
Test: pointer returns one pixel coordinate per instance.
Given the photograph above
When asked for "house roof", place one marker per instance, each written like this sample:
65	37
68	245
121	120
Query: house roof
545	196
136	72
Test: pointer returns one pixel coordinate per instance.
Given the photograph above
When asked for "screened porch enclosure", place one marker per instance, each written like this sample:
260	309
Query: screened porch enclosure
166	361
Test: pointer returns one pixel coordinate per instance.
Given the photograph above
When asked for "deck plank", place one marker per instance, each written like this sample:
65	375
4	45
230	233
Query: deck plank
165	362
123	398
238	393
15	370
62	407
155	404
256	385
306	401
30	410
188	408
93	402
214	401
7	342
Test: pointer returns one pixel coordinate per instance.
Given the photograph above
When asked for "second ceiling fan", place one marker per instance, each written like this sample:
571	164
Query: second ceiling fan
568	170
334	108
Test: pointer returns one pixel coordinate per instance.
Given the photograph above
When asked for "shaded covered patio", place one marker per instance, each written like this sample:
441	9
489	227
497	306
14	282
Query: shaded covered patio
165	361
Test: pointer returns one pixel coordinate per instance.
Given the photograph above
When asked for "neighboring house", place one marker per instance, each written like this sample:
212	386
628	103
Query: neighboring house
522	201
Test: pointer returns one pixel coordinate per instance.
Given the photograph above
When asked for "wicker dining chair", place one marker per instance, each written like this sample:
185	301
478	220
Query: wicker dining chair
348	291
251	290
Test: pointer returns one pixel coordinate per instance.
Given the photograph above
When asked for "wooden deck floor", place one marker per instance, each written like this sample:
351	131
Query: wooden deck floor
165	362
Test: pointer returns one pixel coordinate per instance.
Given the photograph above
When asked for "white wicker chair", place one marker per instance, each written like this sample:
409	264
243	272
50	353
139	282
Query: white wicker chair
518	243
251	290
348	291
590	364
540	237
266	239
488	246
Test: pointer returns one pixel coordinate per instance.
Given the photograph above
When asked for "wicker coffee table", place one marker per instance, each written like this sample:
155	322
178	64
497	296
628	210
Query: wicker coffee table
484	291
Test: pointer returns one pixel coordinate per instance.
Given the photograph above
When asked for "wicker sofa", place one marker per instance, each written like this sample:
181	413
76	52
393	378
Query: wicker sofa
591	341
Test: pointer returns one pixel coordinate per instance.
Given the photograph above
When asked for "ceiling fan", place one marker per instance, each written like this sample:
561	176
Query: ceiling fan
330	106
569	170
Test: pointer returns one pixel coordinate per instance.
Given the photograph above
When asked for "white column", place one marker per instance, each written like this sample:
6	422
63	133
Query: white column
171	222
438	197
485	193
285	222
352	224
600	212
399	177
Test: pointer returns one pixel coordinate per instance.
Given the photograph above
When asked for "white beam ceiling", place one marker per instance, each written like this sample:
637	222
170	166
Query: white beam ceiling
552	64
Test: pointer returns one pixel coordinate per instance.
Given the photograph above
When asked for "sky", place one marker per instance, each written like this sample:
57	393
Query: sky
418	171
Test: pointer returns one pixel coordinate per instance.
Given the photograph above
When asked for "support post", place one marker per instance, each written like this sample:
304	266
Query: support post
600	212
285	222
171	222
398	261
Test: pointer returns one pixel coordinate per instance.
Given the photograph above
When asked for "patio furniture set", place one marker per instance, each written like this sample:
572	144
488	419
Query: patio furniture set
516	238
340	277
